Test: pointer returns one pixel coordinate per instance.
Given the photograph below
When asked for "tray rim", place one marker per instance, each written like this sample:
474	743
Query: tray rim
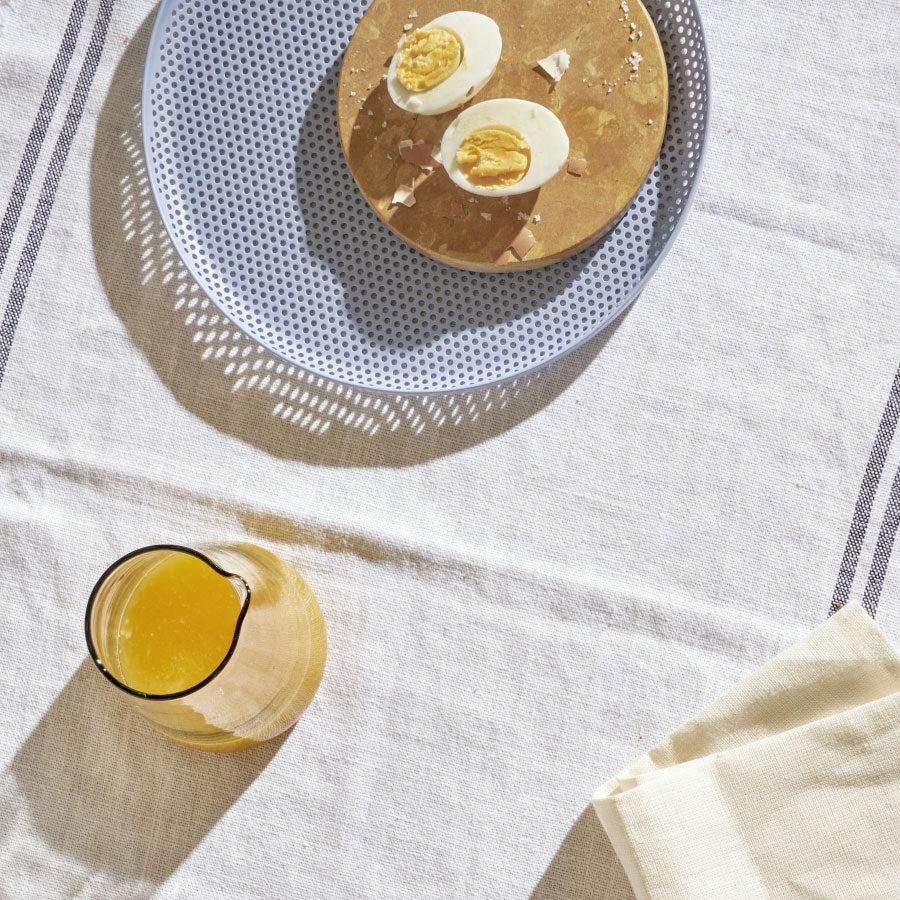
150	67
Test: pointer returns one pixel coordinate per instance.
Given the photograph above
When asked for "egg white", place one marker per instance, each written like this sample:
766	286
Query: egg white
543	131
481	45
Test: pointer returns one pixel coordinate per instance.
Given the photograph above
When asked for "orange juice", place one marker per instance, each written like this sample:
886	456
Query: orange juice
177	625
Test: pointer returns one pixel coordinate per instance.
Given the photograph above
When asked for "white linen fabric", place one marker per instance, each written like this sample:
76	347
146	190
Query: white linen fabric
525	588
786	787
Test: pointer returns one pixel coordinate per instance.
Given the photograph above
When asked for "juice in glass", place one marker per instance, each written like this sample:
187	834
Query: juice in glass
220	648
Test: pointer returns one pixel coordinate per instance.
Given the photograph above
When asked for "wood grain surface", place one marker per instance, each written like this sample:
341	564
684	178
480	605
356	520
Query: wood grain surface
614	116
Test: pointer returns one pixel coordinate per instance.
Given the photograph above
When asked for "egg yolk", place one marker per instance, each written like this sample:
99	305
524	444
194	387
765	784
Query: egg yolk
494	157
428	57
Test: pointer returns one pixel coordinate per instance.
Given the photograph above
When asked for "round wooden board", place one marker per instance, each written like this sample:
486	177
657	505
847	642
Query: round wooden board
615	119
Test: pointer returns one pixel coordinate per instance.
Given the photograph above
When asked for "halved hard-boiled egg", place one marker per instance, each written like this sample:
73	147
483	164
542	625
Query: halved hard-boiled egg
502	147
443	64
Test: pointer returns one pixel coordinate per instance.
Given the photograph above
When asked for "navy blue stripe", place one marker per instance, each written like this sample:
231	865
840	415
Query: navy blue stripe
51	183
39	128
883	548
871	479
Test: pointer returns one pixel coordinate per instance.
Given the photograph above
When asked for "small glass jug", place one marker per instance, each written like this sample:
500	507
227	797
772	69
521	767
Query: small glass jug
270	670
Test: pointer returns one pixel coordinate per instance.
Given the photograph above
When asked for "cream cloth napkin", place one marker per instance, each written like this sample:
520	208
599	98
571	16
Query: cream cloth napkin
788	786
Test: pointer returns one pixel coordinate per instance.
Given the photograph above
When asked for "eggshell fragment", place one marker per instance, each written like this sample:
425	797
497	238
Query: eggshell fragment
522	243
556	64
577	167
404	194
425	156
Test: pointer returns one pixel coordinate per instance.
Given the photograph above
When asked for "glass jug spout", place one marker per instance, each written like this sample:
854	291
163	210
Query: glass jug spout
219	648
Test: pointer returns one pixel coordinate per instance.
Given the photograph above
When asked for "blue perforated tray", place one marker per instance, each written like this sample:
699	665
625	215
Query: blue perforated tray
245	163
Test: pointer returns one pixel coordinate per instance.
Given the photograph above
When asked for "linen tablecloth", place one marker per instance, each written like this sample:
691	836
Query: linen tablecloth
525	588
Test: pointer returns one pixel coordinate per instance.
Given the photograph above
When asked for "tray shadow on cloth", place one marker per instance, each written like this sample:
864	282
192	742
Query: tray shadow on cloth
585	866
231	382
110	796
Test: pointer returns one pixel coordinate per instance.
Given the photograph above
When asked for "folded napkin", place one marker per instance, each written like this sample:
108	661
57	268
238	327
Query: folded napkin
789	786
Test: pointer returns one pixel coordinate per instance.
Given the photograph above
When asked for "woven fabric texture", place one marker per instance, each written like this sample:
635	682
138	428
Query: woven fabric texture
526	587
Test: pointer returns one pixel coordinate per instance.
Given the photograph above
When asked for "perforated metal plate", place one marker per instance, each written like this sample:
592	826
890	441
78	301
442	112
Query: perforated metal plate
246	167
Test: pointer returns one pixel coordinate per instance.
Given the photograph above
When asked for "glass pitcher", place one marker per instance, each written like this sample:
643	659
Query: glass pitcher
269	672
